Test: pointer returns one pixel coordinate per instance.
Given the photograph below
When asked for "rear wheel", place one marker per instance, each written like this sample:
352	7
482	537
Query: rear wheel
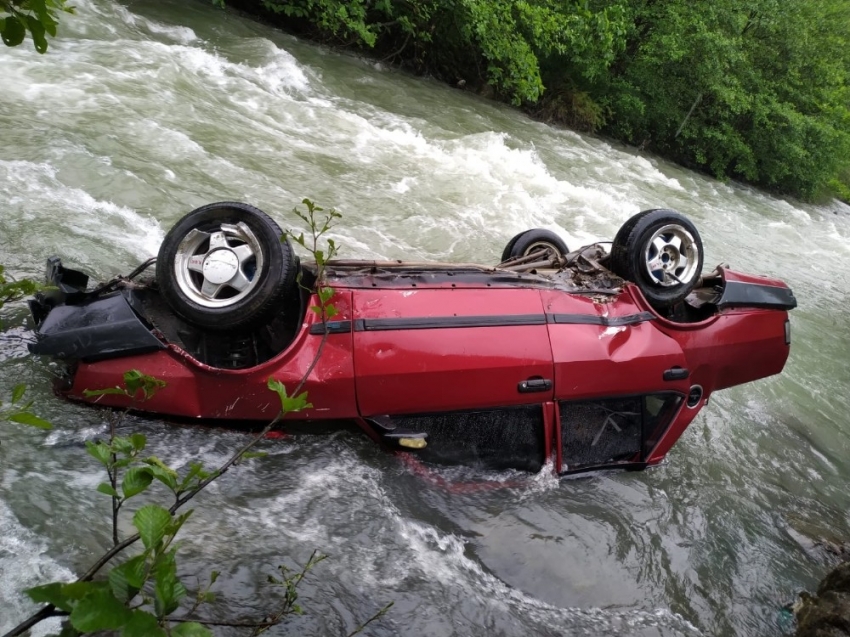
224	267
661	251
530	241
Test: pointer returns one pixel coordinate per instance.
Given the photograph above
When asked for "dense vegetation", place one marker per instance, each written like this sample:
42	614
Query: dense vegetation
754	90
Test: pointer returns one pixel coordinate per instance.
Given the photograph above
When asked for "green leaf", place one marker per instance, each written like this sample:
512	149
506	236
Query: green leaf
136	480
63	596
39	7
90	393
136	381
168	590
278	387
49	24
122	444
133	380
166	475
18	392
99	452
297	403
26	418
142	624
127	579
190	629
37	31
325	295
14	31
254	454
138	441
107	489
50	594
196	472
174	527
151	521
99	610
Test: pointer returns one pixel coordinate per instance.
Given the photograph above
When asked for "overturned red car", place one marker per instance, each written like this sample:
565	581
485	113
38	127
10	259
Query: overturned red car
589	359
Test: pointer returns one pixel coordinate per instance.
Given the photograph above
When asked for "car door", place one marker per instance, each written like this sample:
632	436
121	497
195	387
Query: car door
468	368
619	381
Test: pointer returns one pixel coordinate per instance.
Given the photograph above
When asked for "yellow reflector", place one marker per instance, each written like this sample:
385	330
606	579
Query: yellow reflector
413	443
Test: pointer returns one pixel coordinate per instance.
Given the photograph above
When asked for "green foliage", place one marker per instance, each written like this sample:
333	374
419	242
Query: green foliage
38	17
20	411
500	42
99	606
13	290
140	595
319	222
288	403
753	90
134	382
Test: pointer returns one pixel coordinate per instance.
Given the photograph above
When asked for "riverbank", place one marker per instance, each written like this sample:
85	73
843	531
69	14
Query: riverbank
700	85
827	613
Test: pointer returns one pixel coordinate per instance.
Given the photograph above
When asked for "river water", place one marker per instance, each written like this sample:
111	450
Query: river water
144	110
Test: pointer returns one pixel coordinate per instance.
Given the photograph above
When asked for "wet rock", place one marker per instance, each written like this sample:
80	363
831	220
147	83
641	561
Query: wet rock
826	614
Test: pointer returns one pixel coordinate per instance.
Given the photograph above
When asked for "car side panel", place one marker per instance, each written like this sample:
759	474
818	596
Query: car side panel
439	350
621	353
195	390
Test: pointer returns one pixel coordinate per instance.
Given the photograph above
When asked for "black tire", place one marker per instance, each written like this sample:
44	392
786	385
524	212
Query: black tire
665	274
526	242
249	247
506	253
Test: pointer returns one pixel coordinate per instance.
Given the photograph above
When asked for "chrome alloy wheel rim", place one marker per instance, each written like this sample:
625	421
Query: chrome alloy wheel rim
217	269
671	256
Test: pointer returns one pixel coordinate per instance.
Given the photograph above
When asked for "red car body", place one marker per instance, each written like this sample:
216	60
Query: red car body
482	365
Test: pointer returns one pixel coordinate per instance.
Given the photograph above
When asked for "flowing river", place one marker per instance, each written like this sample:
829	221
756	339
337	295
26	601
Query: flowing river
144	110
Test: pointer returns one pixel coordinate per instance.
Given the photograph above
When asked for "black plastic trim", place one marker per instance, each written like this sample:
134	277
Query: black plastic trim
741	294
533	385
331	327
606	321
676	373
442	322
624	466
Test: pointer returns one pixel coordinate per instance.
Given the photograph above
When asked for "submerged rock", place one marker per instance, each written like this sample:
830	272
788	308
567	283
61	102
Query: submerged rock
826	614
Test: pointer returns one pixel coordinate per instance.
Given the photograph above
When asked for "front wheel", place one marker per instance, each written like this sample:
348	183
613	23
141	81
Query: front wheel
661	251
224	266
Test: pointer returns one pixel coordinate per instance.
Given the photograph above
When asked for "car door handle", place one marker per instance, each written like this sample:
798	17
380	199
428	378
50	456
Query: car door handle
534	385
676	373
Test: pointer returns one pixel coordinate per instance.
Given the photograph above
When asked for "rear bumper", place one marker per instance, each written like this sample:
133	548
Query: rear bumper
105	327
